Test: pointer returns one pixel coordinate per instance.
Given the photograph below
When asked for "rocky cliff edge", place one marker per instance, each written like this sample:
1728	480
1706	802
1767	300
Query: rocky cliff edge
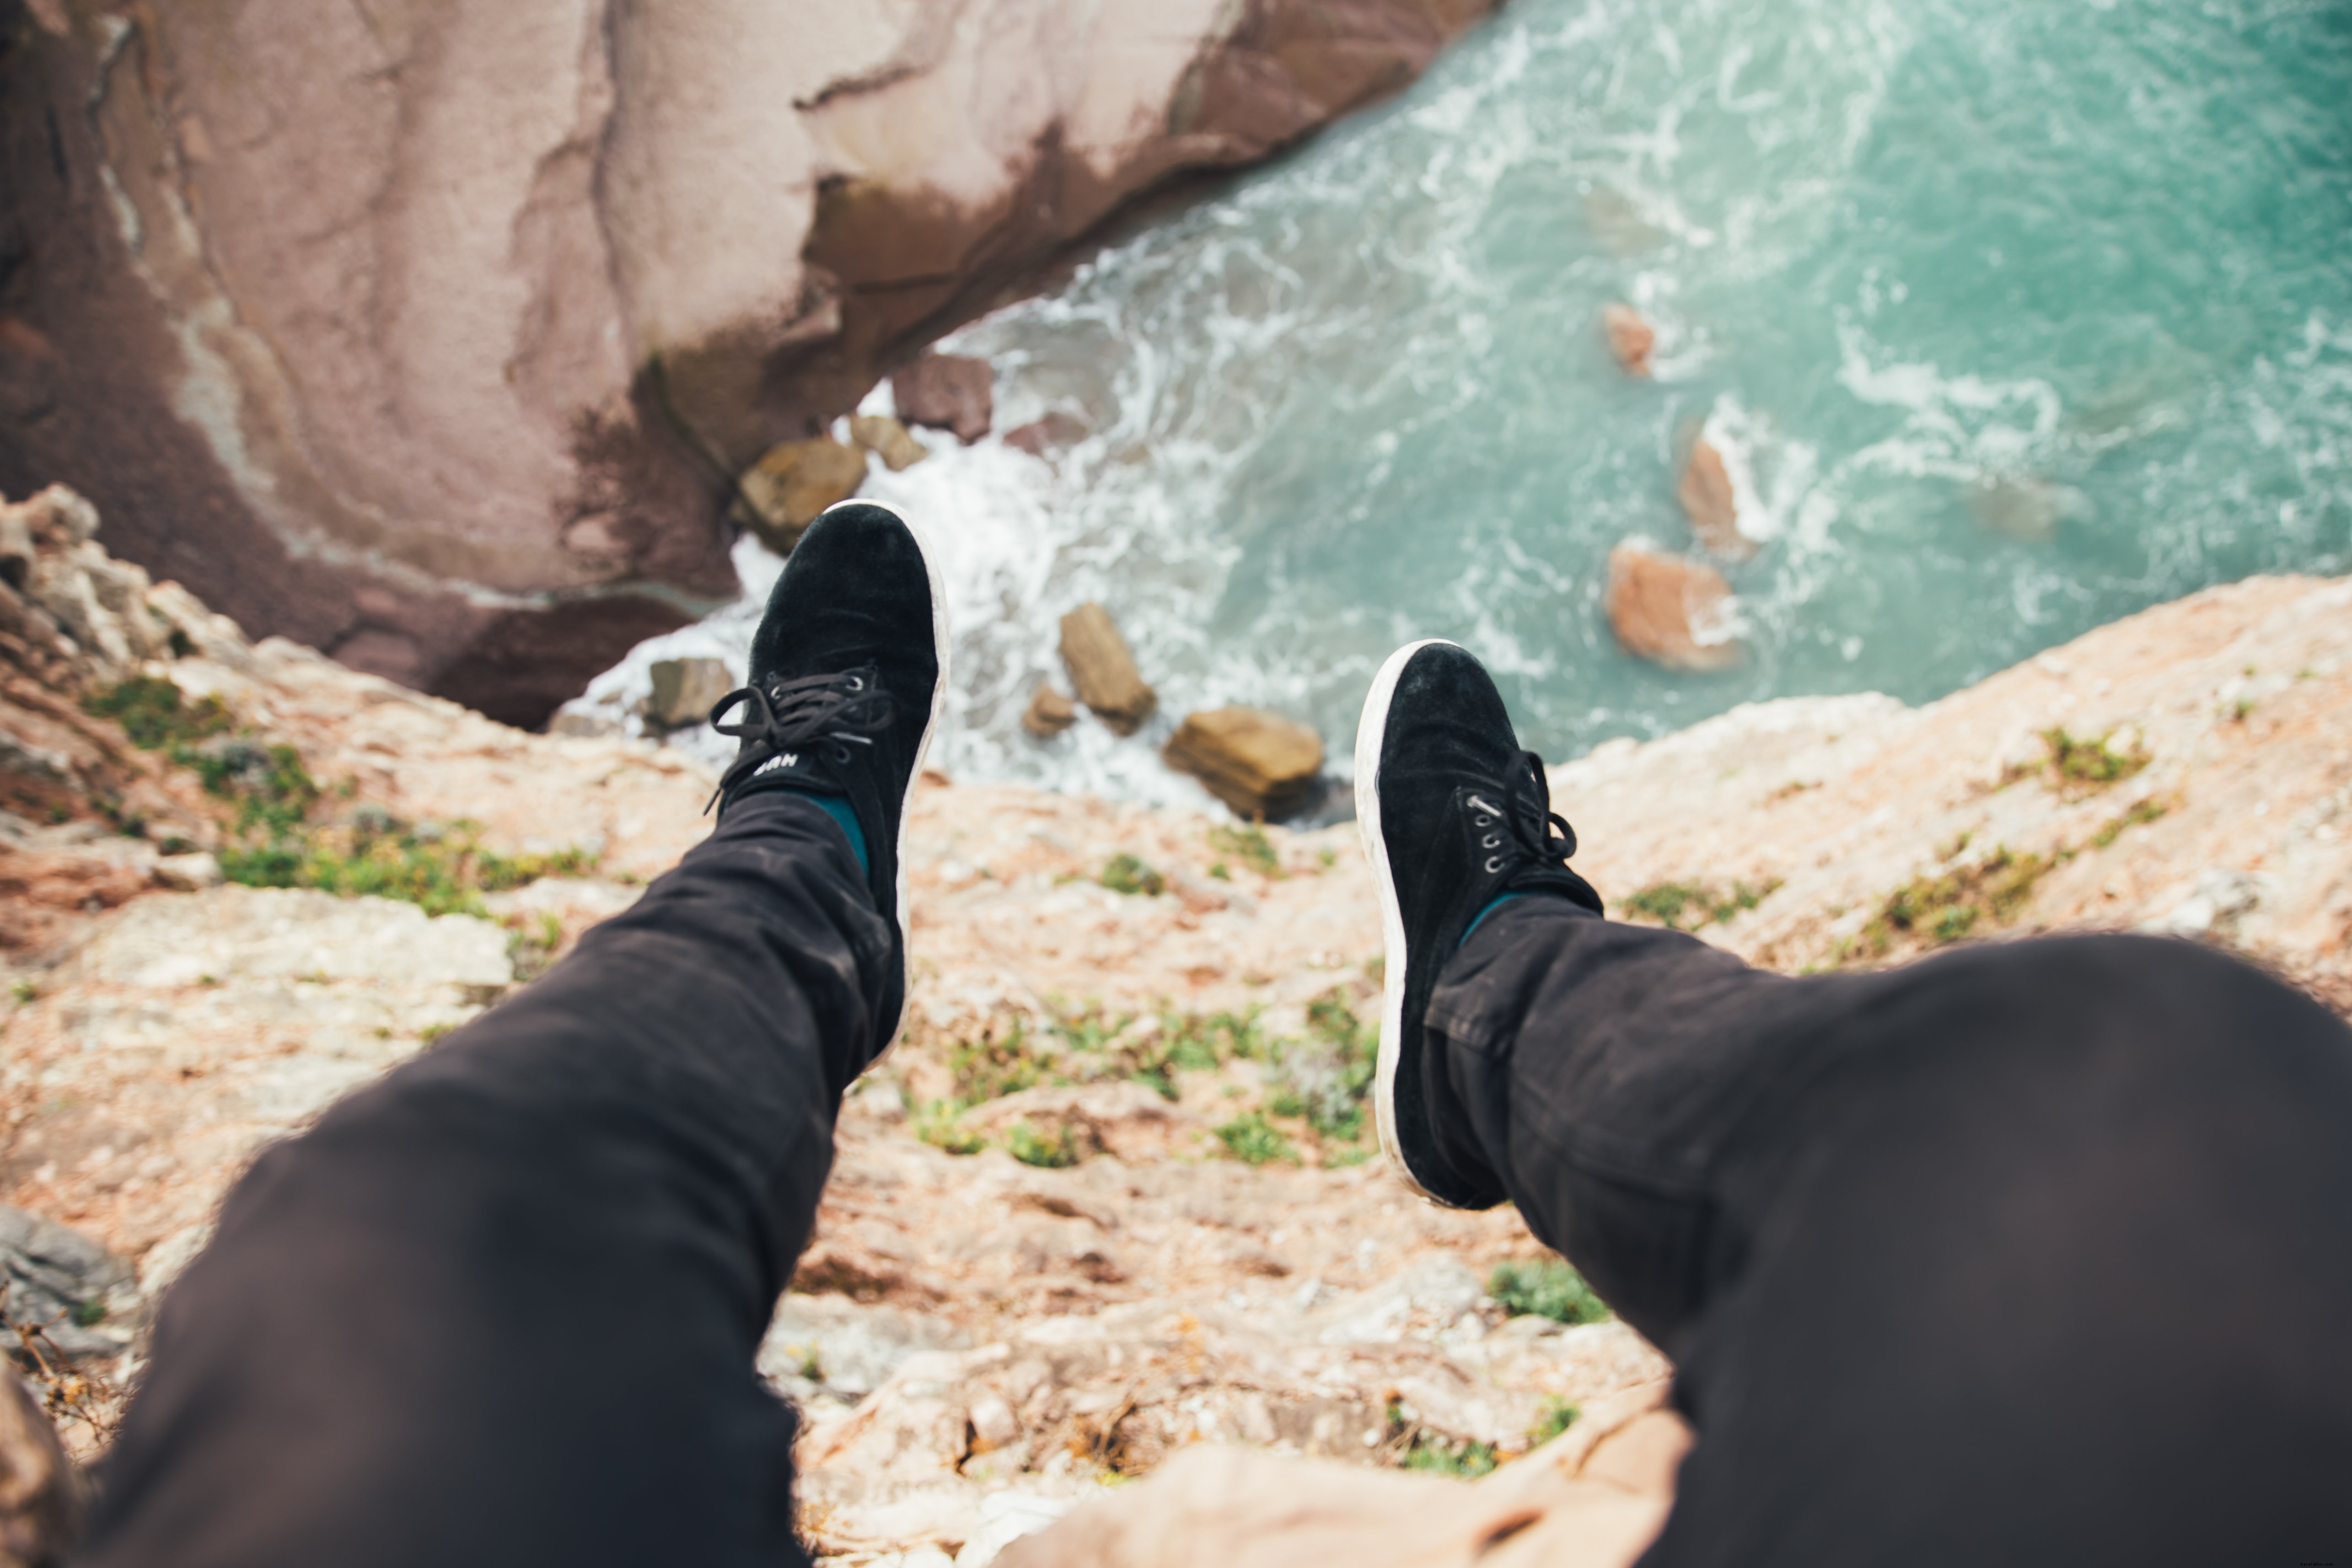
1115	1197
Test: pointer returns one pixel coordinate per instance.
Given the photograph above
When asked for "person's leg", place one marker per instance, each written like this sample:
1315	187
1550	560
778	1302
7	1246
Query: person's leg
501	1308
2029	1254
2038	1252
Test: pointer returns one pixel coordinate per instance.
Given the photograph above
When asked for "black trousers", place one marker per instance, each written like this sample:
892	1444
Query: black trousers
2039	1253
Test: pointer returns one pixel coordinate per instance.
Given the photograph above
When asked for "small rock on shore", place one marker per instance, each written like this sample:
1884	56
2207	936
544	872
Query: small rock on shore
1104	671
793	483
685	689
1261	764
1049	712
888	440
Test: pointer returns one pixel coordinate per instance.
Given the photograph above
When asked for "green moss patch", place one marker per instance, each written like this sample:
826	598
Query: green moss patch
1545	1287
1687	906
1254	1141
1125	873
2075	767
1249	845
274	805
1934	910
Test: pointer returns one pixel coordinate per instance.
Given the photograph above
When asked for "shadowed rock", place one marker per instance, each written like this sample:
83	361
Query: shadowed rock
1261	764
53	1278
949	392
1104	672
685	689
1671	611
795	482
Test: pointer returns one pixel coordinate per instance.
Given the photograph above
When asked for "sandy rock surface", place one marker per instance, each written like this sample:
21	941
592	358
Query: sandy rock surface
980	1342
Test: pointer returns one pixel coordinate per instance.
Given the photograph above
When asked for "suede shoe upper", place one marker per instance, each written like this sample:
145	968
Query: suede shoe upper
1455	815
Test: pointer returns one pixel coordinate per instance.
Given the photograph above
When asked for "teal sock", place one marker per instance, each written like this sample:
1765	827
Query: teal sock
1480	918
838	809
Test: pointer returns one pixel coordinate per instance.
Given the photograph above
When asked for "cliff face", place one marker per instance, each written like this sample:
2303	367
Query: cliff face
424	332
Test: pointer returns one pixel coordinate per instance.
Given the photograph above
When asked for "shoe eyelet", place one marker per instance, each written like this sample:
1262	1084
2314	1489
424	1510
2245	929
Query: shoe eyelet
1482	820
857	683
1494	864
838	753
1492	841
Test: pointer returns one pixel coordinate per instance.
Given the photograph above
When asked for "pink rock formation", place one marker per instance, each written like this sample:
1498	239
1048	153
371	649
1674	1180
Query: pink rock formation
1631	338
1671	611
428	336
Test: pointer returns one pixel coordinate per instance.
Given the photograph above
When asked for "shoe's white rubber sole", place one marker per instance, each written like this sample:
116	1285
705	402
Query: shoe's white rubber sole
1370	731
922	754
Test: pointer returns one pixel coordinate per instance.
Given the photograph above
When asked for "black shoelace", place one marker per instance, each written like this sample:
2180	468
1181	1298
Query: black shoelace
1526	816
844	711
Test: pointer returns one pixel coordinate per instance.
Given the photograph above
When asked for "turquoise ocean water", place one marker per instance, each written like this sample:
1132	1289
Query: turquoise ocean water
1934	275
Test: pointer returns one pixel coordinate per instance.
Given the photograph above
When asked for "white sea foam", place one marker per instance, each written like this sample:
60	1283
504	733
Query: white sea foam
1949	319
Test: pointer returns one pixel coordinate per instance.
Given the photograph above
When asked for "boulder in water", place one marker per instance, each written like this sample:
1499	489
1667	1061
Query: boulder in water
1711	504
1261	764
685	690
1049	712
793	483
1103	671
888	440
1055	431
1631	338
1671	611
950	391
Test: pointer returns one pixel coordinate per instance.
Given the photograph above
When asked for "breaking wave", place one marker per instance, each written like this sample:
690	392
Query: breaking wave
2008	320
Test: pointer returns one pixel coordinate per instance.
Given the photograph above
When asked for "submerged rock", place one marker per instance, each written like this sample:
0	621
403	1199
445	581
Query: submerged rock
1053	433
1711	504
1671	611
685	689
888	440
1261	764
1103	670
793	483
1049	712
2020	507
950	392
1631	338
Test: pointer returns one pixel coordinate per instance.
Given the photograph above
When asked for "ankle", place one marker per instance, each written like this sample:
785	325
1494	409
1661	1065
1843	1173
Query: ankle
835	807
1561	896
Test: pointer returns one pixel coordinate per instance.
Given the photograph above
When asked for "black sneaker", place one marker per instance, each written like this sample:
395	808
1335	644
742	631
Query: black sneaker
847	669
1453	815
